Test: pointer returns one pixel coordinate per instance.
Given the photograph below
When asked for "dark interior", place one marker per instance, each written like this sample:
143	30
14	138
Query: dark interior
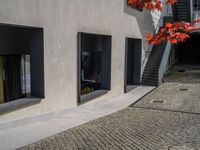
189	51
133	63
21	62
95	62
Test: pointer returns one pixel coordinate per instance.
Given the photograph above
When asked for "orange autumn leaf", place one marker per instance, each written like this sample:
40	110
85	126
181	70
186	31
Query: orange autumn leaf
149	5
168	25
175	33
158	6
172	2
149	36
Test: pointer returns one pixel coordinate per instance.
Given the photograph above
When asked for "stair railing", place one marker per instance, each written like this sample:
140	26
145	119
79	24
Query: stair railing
159	24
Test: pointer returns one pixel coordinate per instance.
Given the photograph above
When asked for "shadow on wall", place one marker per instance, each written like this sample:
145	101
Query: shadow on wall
144	20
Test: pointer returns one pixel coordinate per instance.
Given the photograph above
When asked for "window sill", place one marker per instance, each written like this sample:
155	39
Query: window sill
130	88
92	95
18	104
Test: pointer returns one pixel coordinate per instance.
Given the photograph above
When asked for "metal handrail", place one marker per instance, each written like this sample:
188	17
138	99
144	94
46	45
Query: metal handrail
154	32
157	26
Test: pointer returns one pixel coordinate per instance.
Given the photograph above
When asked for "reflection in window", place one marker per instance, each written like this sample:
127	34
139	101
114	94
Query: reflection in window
95	63
196	5
90	70
196	9
25	75
15	78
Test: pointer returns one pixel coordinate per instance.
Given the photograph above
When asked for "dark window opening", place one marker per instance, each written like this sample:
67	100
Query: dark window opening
21	63
94	65
196	5
132	64
189	51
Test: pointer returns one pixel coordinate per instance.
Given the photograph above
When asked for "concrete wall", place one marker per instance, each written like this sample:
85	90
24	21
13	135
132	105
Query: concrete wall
62	20
146	22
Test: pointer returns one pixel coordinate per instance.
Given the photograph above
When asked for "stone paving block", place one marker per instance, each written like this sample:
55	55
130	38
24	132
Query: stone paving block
131	128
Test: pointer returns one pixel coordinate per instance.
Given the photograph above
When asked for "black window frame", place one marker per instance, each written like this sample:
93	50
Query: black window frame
104	90
37	68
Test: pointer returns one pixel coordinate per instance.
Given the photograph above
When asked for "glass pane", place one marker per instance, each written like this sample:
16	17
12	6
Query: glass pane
15	77
90	65
26	75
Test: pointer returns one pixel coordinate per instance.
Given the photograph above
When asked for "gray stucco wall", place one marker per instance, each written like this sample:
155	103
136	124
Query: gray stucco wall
62	20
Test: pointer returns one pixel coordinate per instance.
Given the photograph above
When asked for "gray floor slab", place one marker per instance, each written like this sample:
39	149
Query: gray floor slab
28	133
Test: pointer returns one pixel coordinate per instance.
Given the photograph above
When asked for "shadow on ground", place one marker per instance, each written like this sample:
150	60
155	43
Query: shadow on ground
183	74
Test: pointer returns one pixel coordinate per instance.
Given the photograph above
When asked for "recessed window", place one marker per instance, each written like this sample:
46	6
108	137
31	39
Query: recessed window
94	65
21	63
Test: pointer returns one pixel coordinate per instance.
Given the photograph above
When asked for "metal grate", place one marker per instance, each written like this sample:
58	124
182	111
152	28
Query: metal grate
157	101
183	89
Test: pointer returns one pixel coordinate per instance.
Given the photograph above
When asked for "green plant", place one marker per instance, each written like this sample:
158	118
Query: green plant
87	90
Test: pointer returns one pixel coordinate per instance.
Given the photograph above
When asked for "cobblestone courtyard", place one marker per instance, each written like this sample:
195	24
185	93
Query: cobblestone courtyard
166	119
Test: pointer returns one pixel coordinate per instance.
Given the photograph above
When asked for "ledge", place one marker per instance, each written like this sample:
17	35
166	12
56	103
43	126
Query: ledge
18	104
92	95
130	88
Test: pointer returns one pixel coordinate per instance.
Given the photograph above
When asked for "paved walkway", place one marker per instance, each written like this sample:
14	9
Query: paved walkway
182	97
32	130
129	129
166	119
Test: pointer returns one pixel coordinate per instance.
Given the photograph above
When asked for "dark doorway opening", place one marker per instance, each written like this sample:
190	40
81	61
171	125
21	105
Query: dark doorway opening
94	67
132	63
21	62
189	51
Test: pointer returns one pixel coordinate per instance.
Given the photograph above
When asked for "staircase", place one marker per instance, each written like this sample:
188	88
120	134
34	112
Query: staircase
181	11
151	72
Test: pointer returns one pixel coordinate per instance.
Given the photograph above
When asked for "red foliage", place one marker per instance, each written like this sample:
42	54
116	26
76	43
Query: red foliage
149	4
173	32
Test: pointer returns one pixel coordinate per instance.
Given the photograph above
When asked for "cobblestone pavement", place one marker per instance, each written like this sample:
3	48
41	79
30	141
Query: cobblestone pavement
183	97
171	125
129	129
180	91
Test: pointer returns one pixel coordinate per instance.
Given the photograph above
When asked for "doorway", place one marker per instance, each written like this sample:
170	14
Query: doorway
132	64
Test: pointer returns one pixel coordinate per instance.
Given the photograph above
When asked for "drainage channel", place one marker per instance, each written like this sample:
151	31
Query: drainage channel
157	101
184	89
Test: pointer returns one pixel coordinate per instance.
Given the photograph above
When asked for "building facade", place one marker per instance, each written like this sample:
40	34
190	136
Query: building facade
57	54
